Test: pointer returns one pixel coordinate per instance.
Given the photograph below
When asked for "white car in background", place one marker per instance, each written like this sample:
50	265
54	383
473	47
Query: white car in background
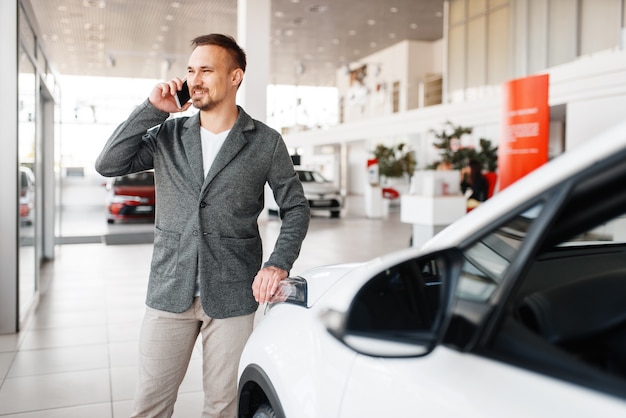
516	310
322	194
27	195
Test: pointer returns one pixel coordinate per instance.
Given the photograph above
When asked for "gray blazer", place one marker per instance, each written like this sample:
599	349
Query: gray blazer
207	227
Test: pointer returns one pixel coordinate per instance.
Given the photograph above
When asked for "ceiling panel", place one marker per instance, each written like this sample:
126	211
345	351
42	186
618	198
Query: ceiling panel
151	38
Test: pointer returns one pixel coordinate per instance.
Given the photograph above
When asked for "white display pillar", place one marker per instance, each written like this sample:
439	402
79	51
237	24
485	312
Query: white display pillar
253	35
374	201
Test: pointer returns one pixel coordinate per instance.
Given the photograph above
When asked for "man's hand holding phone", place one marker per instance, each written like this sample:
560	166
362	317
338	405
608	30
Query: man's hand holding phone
165	96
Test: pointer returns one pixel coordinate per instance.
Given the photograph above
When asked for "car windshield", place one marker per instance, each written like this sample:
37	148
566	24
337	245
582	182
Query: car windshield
137	179
311	177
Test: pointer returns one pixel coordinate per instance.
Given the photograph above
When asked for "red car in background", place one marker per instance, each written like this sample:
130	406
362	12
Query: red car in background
131	197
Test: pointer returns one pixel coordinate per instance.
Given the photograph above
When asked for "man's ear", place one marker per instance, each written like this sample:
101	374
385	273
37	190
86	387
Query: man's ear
237	76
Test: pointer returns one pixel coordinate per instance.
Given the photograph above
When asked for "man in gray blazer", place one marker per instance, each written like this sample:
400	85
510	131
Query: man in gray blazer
206	273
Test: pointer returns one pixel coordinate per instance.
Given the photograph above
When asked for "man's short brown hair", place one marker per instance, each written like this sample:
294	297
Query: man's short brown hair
237	55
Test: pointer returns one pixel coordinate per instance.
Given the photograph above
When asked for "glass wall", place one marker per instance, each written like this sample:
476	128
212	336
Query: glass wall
27	117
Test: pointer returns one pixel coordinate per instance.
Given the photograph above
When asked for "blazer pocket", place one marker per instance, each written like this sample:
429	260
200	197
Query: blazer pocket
239	258
165	253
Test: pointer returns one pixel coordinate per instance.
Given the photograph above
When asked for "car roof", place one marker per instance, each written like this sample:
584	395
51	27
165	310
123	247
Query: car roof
517	196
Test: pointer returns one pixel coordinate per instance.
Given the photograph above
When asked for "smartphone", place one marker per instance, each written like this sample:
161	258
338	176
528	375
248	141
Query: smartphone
182	96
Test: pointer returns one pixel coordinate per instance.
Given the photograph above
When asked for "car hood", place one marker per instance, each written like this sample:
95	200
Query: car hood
320	279
346	278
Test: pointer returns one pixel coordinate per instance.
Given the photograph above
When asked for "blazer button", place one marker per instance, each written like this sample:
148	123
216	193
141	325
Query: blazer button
195	233
203	204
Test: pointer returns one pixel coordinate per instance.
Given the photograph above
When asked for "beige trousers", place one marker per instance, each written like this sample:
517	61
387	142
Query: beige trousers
165	346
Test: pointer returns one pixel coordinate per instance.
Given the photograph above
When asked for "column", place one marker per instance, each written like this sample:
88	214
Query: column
253	34
8	167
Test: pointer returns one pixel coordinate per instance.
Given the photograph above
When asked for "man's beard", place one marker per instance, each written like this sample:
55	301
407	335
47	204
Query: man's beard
203	105
205	102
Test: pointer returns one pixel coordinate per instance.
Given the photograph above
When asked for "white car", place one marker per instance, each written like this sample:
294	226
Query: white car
322	194
516	310
27	195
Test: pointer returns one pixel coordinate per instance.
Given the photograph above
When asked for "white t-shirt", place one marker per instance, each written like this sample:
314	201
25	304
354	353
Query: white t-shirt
211	144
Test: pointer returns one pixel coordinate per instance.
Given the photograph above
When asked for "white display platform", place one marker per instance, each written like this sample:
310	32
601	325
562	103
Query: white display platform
430	214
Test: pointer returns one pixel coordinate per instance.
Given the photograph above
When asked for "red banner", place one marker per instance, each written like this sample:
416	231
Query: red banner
525	128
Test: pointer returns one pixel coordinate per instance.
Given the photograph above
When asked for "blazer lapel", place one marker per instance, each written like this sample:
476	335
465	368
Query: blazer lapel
193	148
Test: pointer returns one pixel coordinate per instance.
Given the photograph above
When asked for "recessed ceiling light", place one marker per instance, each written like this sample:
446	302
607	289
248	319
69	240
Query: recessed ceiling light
99	4
439	14
335	41
371	22
392	35
279	14
175	5
93	26
413	26
373	44
356	52
351	32
393	10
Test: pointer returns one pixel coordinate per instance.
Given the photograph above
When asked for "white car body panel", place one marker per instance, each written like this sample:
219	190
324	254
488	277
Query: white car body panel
286	357
447	383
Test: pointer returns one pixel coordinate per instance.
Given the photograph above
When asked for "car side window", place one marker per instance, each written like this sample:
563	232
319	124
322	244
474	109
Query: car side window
487	261
402	298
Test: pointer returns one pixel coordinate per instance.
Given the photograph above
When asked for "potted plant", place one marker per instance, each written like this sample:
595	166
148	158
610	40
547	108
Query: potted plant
454	155
488	156
394	162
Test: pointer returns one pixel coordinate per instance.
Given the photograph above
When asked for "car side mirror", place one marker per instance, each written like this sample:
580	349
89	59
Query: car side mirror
403	310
